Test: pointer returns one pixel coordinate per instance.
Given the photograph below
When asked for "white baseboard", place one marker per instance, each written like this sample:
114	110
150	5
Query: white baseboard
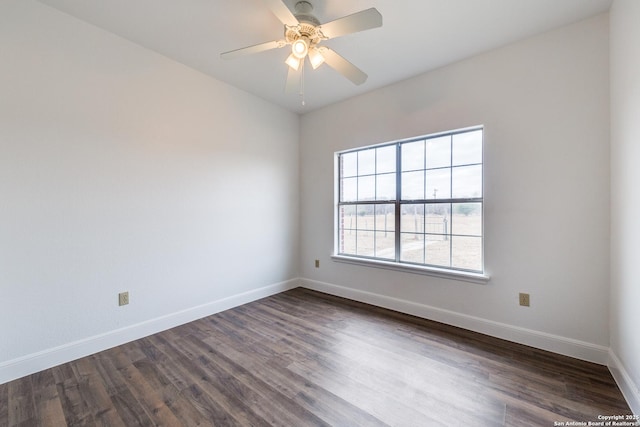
630	390
542	340
29	364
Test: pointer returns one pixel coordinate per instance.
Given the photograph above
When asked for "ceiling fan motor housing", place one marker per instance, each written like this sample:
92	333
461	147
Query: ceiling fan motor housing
308	27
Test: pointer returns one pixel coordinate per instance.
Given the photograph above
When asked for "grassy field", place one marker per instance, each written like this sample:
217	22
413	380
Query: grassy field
441	240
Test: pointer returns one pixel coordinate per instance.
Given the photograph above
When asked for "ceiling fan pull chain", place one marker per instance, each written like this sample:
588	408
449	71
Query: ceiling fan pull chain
302	82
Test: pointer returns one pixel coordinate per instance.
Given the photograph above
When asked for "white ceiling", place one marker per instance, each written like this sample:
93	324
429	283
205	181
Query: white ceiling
416	36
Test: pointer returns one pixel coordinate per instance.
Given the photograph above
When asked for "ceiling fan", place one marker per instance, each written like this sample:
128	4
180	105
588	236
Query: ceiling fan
304	33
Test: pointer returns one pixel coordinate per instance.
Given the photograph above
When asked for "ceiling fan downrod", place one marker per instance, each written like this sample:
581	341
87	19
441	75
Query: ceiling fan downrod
304	14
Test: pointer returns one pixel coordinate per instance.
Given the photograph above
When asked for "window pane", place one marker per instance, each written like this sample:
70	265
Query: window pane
366	187
439	152
412	155
385	244
467	181
386	159
467	148
386	186
385	217
346	231
437	250
413	185
366	162
349	191
467	219
412	248
466	252
412	219
349	164
365	218
348	243
438	218
439	184
348	219
365	243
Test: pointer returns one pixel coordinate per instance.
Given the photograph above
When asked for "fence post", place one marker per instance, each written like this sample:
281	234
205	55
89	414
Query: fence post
446	231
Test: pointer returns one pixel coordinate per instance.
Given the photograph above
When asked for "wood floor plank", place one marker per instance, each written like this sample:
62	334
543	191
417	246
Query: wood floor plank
269	403
271	368
208	391
94	393
124	402
175	401
180	391
21	411
302	358
554	375
368	368
46	399
149	399
384	367
4	405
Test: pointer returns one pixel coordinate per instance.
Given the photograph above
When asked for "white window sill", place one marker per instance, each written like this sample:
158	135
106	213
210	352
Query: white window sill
417	269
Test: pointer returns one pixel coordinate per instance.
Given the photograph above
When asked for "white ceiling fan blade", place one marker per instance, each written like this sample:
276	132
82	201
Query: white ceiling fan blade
293	80
253	49
359	21
282	12
342	66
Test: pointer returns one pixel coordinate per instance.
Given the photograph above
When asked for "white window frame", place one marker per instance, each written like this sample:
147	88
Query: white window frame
476	276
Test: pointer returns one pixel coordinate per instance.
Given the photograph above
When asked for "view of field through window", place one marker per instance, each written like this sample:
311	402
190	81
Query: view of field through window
417	202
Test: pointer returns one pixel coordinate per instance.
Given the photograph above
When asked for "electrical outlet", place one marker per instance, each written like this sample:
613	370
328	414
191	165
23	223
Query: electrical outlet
524	300
317	263
123	298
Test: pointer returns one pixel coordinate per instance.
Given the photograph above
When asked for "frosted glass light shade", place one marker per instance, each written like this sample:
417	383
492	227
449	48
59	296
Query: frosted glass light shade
293	62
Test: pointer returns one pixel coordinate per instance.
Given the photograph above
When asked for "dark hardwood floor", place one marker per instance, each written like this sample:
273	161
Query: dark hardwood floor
302	358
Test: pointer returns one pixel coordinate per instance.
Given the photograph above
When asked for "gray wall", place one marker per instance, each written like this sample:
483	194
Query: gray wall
625	196
544	104
121	170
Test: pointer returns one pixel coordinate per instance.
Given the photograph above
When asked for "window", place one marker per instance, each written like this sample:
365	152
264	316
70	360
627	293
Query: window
414	202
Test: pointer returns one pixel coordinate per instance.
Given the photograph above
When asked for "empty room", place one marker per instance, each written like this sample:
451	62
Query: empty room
319	213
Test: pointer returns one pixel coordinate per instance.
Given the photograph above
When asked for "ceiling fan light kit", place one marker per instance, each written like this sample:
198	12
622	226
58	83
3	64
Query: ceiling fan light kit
315	58
304	33
293	61
300	47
